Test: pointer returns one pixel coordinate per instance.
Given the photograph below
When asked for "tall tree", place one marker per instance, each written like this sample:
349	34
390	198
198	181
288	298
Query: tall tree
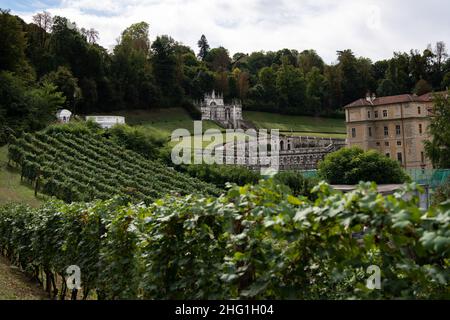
44	21
67	84
355	74
12	43
291	88
316	85
387	87
136	36
165	69
438	148
91	34
218	59
309	59
204	47
440	54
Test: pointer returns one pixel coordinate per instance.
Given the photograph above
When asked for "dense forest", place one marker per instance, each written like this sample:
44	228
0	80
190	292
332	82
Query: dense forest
51	63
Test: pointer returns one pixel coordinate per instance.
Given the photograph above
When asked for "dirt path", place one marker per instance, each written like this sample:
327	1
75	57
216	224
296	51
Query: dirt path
14	285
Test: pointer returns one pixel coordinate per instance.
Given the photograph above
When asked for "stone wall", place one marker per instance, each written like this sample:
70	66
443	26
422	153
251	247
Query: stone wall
304	154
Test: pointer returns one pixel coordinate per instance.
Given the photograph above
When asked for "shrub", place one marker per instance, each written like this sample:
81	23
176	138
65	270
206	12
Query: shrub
352	165
138	140
221	174
297	183
442	193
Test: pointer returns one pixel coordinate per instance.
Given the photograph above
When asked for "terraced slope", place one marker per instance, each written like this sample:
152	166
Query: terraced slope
83	167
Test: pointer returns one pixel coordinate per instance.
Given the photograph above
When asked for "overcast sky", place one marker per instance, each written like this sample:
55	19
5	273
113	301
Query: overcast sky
373	29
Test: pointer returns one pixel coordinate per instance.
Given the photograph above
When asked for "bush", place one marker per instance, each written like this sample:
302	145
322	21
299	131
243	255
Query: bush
297	183
221	174
138	140
442	193
352	165
74	127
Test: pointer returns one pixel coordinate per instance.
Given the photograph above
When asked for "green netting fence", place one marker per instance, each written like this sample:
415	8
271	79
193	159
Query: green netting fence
431	177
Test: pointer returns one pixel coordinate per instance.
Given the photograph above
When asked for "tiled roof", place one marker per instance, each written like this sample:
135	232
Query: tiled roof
402	98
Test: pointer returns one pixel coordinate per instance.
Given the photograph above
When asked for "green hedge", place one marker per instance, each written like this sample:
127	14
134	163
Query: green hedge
254	242
220	175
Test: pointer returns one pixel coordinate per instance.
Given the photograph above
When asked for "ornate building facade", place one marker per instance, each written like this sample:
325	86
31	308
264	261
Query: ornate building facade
395	126
213	108
294	152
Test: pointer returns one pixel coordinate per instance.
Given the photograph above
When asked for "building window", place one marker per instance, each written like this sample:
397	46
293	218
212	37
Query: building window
386	143
399	143
376	114
397	130
384	113
399	157
420	128
388	154
386	131
422	157
418	110
378	144
370	131
368	114
353	133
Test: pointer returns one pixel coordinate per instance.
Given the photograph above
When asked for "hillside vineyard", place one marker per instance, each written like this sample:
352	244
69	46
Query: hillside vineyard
83	167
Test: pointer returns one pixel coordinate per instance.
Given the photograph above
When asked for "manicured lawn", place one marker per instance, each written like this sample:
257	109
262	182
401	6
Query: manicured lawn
298	125
164	121
207	140
11	188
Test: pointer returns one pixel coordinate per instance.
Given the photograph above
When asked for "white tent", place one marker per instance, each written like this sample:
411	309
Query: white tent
63	115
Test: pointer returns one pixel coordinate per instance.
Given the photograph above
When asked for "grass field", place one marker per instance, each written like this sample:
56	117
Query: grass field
164	120
298	125
11	188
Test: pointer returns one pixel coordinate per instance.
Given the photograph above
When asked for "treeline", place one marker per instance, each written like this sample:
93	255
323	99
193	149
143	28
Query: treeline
52	54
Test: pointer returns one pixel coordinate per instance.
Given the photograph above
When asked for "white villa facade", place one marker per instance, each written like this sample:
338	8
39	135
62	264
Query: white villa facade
213	108
107	121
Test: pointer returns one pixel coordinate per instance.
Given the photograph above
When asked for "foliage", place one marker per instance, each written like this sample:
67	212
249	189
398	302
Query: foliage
442	193
13	43
25	107
204	47
140	74
255	242
352	165
138	140
297	183
66	83
220	175
74	163
438	149
422	87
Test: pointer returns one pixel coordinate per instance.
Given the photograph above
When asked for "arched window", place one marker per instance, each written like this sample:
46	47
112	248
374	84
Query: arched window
281	145
227	114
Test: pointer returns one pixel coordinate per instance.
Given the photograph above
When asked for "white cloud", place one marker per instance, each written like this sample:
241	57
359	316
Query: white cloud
370	28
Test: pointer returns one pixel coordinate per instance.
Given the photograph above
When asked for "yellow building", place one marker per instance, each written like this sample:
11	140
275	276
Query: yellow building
395	126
